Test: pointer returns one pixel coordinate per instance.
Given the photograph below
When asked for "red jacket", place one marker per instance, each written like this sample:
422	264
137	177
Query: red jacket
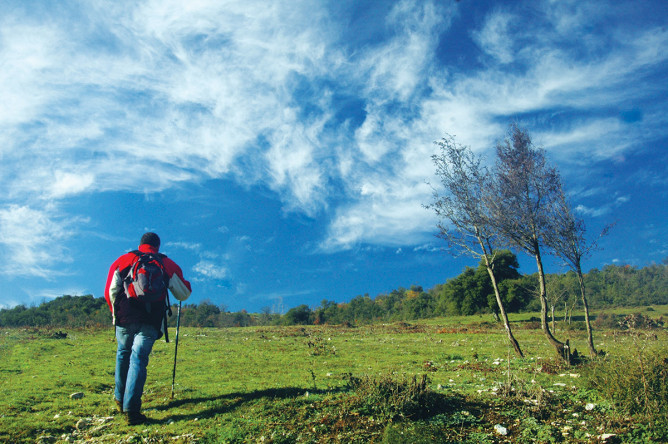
126	310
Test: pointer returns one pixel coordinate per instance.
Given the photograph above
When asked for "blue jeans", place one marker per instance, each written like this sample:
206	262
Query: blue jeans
135	343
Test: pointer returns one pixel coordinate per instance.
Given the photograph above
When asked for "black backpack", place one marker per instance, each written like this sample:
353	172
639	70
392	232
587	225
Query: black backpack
147	279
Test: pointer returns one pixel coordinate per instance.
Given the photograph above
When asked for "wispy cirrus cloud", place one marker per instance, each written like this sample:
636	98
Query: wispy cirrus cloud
533	78
193	246
495	38
33	241
282	95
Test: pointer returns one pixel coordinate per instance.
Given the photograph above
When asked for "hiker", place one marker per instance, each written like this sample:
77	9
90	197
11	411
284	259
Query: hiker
139	315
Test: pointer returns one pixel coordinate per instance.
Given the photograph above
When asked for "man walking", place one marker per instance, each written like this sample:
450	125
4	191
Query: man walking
139	315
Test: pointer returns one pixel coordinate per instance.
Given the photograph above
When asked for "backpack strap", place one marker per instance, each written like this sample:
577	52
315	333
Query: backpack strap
168	311
135	264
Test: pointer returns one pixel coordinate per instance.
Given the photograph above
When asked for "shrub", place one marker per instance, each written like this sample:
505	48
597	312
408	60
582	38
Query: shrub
640	321
606	321
391	397
636	384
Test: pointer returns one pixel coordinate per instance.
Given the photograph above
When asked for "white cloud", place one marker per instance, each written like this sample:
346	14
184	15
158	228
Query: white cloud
395	218
194	246
603	209
27	52
428	248
180	92
593	212
210	270
66	183
292	165
494	38
395	69
33	241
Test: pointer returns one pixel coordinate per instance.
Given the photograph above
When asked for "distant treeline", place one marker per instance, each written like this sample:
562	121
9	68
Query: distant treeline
467	294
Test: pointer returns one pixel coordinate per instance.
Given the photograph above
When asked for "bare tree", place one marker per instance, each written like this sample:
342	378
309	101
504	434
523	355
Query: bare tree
464	222
557	292
568	241
525	189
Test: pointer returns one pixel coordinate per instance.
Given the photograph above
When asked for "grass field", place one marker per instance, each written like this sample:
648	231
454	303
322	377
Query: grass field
440	380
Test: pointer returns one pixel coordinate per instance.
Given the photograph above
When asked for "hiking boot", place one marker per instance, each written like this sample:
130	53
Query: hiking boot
136	418
119	405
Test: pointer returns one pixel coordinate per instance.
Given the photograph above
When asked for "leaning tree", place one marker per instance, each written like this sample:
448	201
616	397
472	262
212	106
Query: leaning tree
567	239
525	190
463	215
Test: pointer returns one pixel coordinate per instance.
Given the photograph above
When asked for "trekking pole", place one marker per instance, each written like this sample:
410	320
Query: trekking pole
176	347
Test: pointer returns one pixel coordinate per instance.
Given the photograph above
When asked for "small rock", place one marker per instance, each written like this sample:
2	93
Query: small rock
606	436
83	423
77	395
501	430
97	429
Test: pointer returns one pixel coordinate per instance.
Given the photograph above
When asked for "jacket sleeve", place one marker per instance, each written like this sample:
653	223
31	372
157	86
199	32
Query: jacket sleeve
178	285
110	278
113	288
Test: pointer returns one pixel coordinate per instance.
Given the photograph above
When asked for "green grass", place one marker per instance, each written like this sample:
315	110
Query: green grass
323	384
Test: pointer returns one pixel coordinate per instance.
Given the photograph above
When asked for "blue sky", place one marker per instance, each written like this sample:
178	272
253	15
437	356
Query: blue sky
281	149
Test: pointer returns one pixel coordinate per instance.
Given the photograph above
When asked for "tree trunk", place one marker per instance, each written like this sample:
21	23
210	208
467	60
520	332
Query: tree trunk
504	316
558	345
554	327
590	335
